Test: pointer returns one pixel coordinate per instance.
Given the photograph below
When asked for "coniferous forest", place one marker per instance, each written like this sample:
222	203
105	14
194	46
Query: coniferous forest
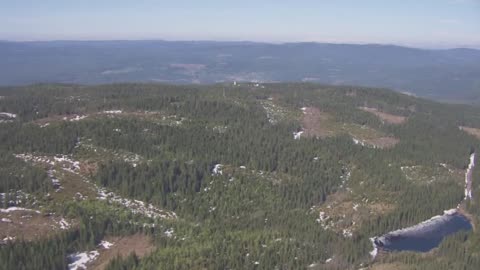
244	176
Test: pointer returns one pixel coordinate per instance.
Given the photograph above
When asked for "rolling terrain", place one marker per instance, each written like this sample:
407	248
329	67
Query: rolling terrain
230	176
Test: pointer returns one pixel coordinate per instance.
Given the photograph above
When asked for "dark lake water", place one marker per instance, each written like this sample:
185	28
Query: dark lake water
424	236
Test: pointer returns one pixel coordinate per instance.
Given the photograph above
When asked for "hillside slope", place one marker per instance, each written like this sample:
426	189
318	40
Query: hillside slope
245	176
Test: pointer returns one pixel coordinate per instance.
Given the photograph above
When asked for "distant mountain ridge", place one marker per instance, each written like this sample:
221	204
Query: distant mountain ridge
452	75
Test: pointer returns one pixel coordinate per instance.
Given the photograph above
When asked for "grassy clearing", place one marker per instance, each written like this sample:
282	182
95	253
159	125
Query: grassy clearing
386	117
472	131
320	124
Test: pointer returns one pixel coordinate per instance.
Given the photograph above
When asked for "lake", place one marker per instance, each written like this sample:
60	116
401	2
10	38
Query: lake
424	236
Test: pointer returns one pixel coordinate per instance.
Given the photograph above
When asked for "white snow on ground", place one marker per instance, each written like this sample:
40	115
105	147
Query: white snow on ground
347	233
105	244
6	239
64	225
6	220
8	115
217	170
325	222
135	206
70	165
220	129
65	161
374	252
55	181
169	232
113	112
345	177
14	208
79	260
297	135
274	112
363	143
133	159
304	110
19	197
468	177
78	118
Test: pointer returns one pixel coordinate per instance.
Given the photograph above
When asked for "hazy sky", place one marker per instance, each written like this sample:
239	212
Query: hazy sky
431	23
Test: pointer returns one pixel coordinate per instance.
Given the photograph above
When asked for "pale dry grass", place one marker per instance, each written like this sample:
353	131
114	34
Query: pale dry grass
139	244
472	131
386	117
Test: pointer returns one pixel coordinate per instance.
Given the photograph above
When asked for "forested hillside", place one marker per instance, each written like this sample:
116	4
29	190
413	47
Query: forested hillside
244	176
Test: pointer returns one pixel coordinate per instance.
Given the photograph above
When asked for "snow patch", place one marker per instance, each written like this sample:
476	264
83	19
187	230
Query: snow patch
113	112
169	233
374	252
78	118
79	260
297	135
8	115
347	233
217	170
468	177
105	244
135	206
65	161
7	239
64	225
14	208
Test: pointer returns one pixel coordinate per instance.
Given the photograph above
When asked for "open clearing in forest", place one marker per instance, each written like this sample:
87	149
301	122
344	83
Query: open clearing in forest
29	225
423	175
386	117
343	214
389	266
319	124
472	131
139	244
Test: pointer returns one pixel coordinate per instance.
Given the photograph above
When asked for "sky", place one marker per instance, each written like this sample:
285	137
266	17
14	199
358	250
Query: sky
421	23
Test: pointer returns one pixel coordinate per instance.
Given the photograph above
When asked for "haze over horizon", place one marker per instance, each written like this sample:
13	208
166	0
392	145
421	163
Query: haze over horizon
428	24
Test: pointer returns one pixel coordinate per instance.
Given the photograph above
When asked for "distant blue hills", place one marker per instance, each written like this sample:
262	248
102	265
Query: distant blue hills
452	75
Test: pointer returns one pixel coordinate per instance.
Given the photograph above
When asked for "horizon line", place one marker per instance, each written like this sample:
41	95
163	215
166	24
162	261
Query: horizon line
399	44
